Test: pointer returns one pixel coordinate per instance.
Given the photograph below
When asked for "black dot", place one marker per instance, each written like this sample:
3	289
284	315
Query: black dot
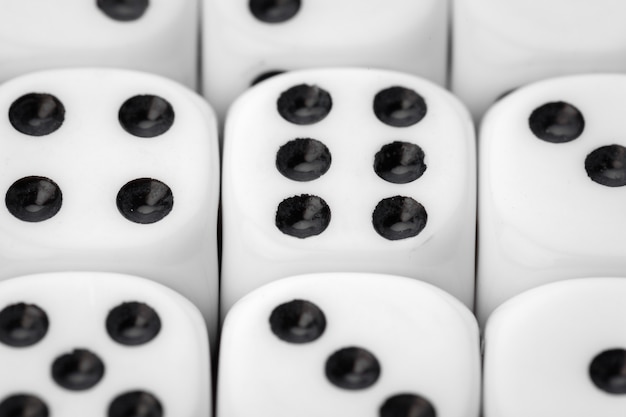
23	405
608	371
557	122
146	116
303	159
400	162
298	321
352	368
303	216
304	104
133	324
399	217
407	405
123	10
607	165
37	114
274	11
145	200
265	76
78	371
22	325
34	199
399	107
135	404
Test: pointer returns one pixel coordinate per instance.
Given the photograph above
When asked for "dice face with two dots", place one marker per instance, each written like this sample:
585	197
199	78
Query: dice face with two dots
110	170
348	344
156	36
552	176
558	350
77	343
503	45
350	170
248	40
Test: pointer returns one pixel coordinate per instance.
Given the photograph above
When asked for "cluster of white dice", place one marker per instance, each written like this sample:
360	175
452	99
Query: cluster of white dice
350	262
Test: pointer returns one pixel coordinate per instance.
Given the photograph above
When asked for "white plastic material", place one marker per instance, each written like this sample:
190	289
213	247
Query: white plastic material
540	344
256	252
91	157
425	340
174	366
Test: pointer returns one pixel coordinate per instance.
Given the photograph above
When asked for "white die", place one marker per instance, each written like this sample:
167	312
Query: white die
392	346
558	350
333	229
99	343
78	143
502	45
542	218
238	47
158	36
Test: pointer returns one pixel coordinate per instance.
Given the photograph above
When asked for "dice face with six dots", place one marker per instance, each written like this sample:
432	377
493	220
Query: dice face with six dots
246	41
347	344
100	343
110	170
157	36
552	171
348	170
503	45
558	350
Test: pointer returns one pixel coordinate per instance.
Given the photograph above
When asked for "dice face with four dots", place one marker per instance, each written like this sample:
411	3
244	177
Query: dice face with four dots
348	344
552	171
246	41
156	36
348	170
503	45
104	344
558	350
110	170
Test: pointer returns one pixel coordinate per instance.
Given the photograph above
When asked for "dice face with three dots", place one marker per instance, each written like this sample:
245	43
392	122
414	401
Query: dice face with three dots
552	173
110	170
156	36
246	41
503	45
558	350
100	343
348	170
348	344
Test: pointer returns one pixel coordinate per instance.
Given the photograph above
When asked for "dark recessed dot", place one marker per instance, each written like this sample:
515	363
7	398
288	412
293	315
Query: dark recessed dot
133	324
399	218
407	405
78	371
123	10
607	165
37	114
298	321
135	404
146	116
23	405
608	371
557	122
352	368
400	162
22	325
145	200
34	199
303	159
265	76
302	216
399	107
274	11
304	104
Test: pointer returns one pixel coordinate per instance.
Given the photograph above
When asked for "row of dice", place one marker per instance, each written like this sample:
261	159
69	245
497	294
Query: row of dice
496	46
